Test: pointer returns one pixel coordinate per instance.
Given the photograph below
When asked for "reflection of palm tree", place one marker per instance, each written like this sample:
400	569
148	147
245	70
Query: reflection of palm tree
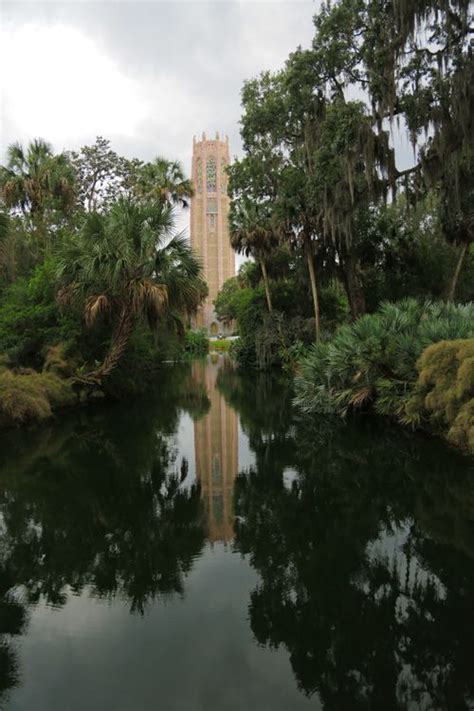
122	521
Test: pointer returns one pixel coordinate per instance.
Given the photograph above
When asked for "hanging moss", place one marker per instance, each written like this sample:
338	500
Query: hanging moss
423	63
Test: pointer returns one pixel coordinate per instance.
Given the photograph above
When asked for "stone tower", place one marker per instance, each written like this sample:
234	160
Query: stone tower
209	222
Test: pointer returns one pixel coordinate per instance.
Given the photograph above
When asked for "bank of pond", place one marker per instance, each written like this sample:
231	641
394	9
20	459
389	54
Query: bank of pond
410	361
208	547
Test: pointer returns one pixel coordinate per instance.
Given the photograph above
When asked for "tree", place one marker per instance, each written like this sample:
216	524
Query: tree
164	181
414	63
128	264
274	164
36	182
251	234
102	175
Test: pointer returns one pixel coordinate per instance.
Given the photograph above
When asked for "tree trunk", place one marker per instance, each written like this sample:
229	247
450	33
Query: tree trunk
457	271
118	344
314	286
354	290
263	267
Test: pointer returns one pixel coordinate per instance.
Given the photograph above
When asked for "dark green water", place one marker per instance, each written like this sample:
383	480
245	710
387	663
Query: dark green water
206	549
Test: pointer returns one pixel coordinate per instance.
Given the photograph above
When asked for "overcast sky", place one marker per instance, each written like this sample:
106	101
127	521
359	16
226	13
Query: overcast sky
147	75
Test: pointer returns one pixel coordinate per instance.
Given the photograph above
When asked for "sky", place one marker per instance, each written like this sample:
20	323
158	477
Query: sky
148	75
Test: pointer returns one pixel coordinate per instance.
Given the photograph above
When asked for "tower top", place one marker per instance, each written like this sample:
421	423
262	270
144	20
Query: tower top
205	139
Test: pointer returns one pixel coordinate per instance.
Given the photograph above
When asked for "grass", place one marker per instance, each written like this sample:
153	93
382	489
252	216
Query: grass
221	346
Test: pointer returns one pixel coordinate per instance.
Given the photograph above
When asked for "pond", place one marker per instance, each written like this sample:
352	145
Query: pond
208	548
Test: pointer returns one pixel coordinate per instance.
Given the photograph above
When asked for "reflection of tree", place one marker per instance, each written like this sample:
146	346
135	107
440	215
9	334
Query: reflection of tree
12	623
98	501
375	607
265	413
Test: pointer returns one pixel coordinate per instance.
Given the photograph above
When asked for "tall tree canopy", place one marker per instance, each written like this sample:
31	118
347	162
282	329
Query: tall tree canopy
328	159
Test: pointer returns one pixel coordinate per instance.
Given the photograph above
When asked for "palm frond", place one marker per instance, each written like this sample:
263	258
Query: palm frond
96	307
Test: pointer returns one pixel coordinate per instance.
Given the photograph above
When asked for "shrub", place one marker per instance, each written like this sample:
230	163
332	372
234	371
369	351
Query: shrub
196	342
444	392
222	345
30	320
29	395
373	361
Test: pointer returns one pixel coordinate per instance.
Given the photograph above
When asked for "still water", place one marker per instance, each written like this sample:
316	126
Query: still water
205	548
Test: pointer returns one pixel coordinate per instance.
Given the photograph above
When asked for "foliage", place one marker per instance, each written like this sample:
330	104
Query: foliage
221	345
444	392
252	234
402	255
196	343
324	164
231	300
275	339
30	319
102	176
373	361
28	395
162	181
38	184
129	265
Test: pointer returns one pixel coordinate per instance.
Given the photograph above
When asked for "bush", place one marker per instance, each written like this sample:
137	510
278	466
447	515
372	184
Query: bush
196	342
269	340
28	395
444	392
222	345
372	362
30	320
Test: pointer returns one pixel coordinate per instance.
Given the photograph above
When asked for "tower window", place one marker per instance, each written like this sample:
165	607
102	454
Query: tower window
211	175
199	175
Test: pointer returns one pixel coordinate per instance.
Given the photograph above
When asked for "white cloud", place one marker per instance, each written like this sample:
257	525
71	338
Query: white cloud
58	83
146	75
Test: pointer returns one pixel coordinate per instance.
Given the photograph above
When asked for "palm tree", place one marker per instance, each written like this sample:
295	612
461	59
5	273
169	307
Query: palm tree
165	182
36	179
128	265
251	234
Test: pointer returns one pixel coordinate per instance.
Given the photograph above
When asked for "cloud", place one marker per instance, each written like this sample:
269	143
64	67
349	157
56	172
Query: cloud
147	75
60	86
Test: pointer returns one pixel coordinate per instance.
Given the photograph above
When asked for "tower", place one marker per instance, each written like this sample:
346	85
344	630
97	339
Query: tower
209	221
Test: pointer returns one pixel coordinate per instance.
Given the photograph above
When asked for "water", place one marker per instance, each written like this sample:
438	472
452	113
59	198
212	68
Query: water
205	548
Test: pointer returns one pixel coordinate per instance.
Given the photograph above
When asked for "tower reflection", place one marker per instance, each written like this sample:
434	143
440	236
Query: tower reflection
216	453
